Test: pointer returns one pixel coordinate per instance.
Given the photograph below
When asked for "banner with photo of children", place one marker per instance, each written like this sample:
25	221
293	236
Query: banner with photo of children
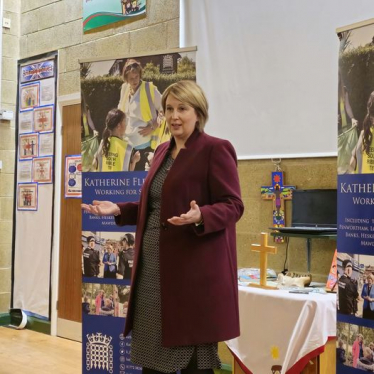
122	125
355	257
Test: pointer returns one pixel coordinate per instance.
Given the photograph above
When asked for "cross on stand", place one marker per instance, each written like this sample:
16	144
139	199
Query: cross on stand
278	193
264	250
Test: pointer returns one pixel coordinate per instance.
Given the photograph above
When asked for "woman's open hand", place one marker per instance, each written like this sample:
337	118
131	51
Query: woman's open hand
192	216
101	208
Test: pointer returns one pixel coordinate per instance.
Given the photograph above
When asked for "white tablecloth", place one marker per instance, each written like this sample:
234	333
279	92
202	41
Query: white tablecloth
282	328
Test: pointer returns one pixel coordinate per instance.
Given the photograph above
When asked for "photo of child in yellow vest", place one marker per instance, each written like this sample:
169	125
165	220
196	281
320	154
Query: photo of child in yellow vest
115	153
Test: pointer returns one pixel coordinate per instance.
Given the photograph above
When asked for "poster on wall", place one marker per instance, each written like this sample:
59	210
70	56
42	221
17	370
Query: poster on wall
116	156
25	121
97	13
355	256
73	176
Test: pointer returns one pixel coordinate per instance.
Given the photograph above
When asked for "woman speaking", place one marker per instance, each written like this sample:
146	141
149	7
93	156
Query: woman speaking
184	294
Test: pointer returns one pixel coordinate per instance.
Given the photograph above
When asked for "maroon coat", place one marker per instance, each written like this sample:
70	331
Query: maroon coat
198	270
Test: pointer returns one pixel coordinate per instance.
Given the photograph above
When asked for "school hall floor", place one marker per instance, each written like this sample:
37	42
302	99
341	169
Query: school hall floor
26	351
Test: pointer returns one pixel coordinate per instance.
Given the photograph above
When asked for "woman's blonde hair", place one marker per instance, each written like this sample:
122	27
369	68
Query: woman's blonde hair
189	92
132	65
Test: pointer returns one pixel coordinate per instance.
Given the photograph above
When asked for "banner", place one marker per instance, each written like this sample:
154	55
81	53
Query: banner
122	124
35	158
97	13
355	258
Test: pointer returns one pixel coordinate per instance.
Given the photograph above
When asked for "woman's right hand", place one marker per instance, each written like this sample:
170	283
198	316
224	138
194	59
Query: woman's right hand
101	208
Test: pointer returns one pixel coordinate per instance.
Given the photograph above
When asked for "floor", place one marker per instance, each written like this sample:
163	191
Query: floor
26	351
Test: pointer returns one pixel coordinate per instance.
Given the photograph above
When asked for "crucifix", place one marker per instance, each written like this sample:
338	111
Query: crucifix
278	193
264	250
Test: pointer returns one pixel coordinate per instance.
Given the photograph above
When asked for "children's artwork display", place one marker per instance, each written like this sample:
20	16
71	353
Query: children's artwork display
114	166
43	119
42	169
29	96
28	146
355	246
34	183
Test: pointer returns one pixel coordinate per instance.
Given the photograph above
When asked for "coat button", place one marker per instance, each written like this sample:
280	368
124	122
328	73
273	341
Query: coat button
164	226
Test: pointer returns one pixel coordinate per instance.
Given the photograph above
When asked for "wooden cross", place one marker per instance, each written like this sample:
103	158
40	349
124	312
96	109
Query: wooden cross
278	193
264	250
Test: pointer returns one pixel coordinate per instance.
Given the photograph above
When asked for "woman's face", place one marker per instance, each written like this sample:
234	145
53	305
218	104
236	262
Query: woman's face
180	117
133	79
370	281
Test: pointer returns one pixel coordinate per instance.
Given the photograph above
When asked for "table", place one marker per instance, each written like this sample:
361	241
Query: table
279	328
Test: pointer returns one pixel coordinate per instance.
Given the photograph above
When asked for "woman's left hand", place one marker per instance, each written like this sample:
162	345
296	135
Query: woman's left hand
192	216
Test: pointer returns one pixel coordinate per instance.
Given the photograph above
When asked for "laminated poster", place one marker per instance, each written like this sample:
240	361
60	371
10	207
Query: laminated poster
25	171
27	196
43	119
28	146
73	177
29	96
42	170
25	121
46	142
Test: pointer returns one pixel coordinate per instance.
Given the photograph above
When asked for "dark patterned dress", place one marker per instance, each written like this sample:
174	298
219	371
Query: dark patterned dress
146	348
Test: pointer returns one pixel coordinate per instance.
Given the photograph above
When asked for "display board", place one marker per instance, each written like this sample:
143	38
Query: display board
268	69
116	155
355	257
34	186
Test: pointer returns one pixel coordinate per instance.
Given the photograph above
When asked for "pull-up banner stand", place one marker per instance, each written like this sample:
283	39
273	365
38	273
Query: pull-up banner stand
115	159
34	184
355	304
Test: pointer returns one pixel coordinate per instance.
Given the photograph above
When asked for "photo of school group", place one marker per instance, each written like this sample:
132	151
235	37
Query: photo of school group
107	254
105	299
356	285
355	346
121	129
356	101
